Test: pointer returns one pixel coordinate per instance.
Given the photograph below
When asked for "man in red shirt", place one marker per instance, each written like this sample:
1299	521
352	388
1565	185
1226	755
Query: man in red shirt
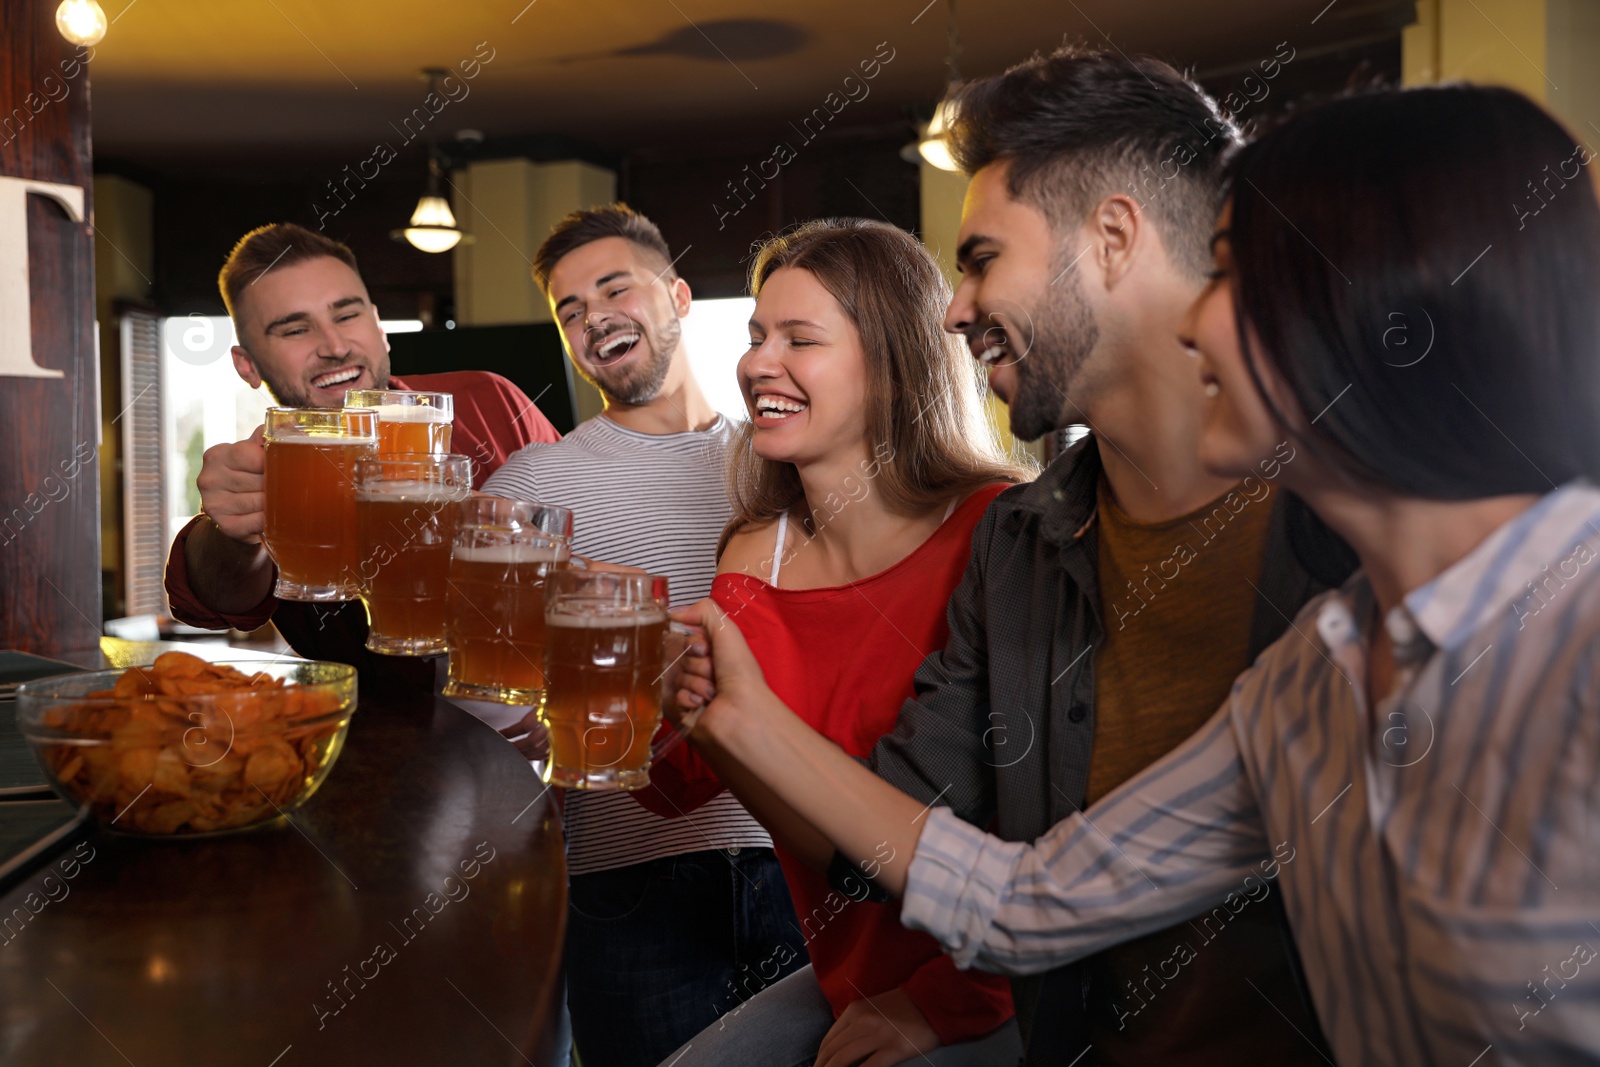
308	330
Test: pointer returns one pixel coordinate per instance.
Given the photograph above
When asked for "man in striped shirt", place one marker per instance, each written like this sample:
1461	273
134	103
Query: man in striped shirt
672	921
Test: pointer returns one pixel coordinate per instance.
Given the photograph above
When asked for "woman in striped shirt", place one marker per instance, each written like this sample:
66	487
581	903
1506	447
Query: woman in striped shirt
1405	289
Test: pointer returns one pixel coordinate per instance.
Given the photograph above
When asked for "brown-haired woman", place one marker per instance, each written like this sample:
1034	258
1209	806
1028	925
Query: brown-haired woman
856	486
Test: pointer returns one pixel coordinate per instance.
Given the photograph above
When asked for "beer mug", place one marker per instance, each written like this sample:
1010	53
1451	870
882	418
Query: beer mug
606	657
408	421
310	510
494	608
406	516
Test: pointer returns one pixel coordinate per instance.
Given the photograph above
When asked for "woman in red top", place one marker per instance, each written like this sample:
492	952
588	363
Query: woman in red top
856	485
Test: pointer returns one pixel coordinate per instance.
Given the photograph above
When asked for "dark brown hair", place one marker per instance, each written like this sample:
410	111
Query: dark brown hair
593	224
1432	305
1077	126
925	418
280	244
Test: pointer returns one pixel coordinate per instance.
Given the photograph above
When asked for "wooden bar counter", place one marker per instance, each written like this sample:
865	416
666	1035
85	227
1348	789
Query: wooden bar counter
412	912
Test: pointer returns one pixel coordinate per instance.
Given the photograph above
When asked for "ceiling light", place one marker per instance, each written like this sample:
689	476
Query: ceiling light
932	145
433	225
81	21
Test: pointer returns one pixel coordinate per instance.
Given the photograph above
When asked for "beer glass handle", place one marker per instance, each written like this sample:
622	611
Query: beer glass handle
677	644
667	739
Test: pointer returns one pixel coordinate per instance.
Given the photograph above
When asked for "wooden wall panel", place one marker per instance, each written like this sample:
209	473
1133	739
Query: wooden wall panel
50	582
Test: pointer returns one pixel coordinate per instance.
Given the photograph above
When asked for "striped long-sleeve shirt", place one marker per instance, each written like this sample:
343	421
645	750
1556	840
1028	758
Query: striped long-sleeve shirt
1439	854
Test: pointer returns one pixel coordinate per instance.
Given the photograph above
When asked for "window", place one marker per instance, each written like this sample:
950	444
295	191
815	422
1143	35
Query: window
715	334
207	403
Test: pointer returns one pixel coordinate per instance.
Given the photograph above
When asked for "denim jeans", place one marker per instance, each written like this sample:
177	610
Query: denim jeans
785	1025
657	951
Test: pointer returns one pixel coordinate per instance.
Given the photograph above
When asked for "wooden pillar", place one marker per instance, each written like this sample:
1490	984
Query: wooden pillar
49	378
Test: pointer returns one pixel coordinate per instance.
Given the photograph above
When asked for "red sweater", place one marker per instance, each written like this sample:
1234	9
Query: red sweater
493	418
842	658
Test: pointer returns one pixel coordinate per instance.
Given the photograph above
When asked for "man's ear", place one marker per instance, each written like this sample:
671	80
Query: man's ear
378	322
1117	229
246	366
681	297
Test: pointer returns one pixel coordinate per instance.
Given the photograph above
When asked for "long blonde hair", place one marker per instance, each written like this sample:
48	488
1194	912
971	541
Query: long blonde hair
930	436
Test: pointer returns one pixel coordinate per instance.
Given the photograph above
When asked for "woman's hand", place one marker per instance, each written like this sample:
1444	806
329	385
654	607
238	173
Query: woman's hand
748	734
725	684
877	1032
689	684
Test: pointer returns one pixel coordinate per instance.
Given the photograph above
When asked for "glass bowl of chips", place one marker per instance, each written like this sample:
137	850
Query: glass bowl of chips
187	748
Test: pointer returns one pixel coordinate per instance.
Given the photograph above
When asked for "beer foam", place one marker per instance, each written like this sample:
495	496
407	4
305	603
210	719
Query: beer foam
588	621
411	413
326	440
513	553
420	491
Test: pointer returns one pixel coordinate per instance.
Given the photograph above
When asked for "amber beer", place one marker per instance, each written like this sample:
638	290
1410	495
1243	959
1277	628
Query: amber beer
605	648
408	421
310	510
406	514
497	622
495	609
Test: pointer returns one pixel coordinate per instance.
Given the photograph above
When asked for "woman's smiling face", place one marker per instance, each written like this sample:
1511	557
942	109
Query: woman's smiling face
1240	430
804	376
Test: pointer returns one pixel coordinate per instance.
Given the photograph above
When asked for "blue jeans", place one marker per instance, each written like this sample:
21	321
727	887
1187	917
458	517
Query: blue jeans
658	950
785	1025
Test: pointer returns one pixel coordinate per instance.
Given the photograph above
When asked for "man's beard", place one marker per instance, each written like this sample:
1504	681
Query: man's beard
287	396
1064	335
297	395
641	383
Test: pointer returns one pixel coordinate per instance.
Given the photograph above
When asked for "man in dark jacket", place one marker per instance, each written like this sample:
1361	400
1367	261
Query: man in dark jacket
1108	605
